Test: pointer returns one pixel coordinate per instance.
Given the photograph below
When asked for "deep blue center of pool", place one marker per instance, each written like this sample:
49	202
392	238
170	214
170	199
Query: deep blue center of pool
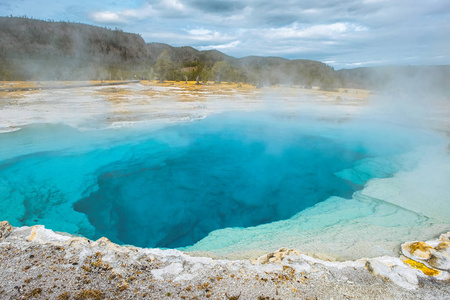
173	193
217	181
172	186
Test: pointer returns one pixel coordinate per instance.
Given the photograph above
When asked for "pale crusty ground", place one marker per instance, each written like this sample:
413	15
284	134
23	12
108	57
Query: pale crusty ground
39	264
153	102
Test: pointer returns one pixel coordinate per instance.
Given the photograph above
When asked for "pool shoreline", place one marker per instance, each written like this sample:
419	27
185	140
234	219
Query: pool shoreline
58	264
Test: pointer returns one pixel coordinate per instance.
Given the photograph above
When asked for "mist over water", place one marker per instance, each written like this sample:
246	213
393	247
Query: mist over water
172	186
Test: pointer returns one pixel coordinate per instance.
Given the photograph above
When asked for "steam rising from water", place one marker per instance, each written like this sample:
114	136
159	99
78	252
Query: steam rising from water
188	180
303	176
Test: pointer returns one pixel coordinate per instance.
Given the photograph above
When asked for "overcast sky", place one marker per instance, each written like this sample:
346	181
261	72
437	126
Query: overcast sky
341	33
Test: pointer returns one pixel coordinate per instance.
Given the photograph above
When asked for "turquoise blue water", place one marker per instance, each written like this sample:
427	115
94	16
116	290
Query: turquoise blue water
170	186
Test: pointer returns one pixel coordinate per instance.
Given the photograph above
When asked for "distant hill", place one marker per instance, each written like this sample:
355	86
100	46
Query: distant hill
34	49
186	54
407	79
40	50
254	69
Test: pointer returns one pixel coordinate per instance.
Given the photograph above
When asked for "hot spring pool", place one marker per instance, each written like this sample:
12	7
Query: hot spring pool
176	184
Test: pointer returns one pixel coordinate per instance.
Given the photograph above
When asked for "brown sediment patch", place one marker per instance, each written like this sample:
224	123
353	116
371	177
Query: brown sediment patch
49	85
344	96
21	84
114	94
156	93
16	94
421	249
223	88
149	92
192	92
191	98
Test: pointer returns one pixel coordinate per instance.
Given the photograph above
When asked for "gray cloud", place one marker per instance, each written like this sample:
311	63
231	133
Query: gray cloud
217	7
342	32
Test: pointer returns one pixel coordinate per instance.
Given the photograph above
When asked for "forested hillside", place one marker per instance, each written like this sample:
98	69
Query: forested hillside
40	50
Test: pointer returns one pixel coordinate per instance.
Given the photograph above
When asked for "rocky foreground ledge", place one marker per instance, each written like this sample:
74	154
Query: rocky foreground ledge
37	263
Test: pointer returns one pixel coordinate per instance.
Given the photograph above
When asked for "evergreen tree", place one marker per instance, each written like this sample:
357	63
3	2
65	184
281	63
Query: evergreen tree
221	70
163	66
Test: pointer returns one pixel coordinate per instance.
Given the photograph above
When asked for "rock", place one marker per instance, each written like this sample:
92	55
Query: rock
440	257
419	249
105	246
434	254
77	242
420	266
276	257
5	229
40	234
445	237
395	270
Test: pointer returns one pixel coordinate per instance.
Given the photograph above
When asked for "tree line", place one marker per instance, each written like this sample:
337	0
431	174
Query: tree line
39	50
